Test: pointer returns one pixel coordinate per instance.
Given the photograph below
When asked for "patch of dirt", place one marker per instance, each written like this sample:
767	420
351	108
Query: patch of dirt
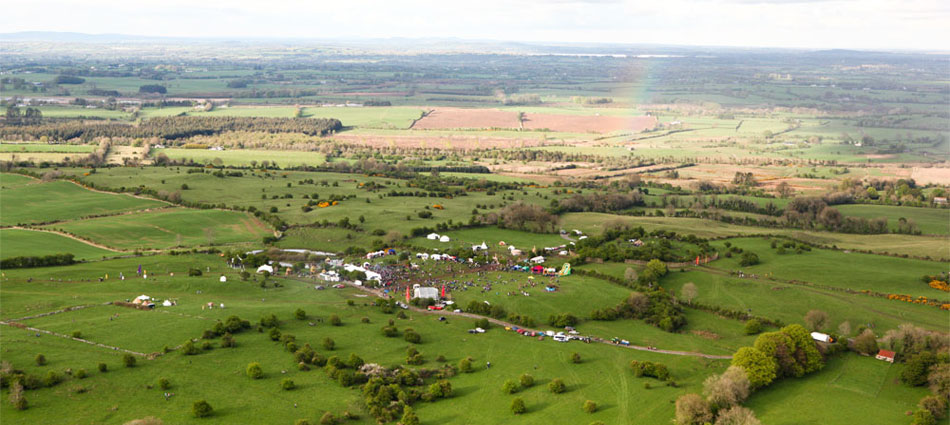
588	123
931	175
459	118
705	334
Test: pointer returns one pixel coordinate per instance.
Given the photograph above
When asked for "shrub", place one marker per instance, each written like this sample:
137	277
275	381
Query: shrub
737	415
40	360
691	409
328	344
412	336
164	383
729	389
465	365
390	331
749	259
327	419
189	349
335	320
409	417
52	378
575	358
77	334
302	422
300	314
753	326
557	386
103	367
517	406
128	360
510	387
227	341
590	406
270	321
201	409
274	334
364	320
206	345
652	369
80	374
287	384
526	380
254	371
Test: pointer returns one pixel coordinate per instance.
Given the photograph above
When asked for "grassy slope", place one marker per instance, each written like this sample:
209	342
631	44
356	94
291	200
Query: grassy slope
16	243
161	229
60	200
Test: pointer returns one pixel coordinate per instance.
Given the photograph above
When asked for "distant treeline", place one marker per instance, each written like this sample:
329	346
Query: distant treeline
44	261
171	128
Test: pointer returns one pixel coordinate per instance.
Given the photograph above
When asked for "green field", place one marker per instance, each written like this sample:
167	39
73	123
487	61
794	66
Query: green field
62	200
30	243
931	221
242	157
37	147
169	228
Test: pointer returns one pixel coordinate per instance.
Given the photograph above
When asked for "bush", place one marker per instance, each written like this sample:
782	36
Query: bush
194	272
128	360
103	367
189	349
164	383
691	409
390	331
302	422
412	336
465	365
557	386
328	344
753	326
327	419
40	360
201	409
652	369
80	374
227	341
52	378
335	320
409	417
77	334
575	358
300	314
510	387
749	259
206	345
254	371
517	406
526	380
270	321
287	384
590	406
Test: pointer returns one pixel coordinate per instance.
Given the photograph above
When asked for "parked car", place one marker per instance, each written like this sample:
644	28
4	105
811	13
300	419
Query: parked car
339	286
561	338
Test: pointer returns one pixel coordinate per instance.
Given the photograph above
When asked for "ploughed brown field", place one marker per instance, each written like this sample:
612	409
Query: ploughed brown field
462	118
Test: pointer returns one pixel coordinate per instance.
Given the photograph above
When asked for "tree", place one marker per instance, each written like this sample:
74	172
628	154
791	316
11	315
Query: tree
753	326
737	415
465	365
816	320
201	409
412	336
748	259
575	358
939	380
866	343
335	320
915	371
657	267
128	360
936	405
254	371
526	380
784	190
510	387
287	384
691	409
689	292
630	275
164	383
590	406
409	417
557	386
924	417
300	314
844	329
806	350
327	419
40	360
759	368
729	389
17	399
329	344
517	406
781	348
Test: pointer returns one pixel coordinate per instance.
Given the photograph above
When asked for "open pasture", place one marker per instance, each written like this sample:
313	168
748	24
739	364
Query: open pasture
33	243
62	200
243	157
169	228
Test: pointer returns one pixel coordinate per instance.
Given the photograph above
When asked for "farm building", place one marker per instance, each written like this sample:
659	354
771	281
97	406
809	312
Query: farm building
425	292
886	355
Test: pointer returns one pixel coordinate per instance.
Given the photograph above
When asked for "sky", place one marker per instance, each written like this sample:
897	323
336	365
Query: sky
815	24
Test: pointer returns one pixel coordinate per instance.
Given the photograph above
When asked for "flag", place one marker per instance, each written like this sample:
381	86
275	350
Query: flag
408	297
140	269
443	291
697	260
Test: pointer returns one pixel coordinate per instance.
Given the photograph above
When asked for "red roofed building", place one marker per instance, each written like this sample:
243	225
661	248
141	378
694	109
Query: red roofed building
887	356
